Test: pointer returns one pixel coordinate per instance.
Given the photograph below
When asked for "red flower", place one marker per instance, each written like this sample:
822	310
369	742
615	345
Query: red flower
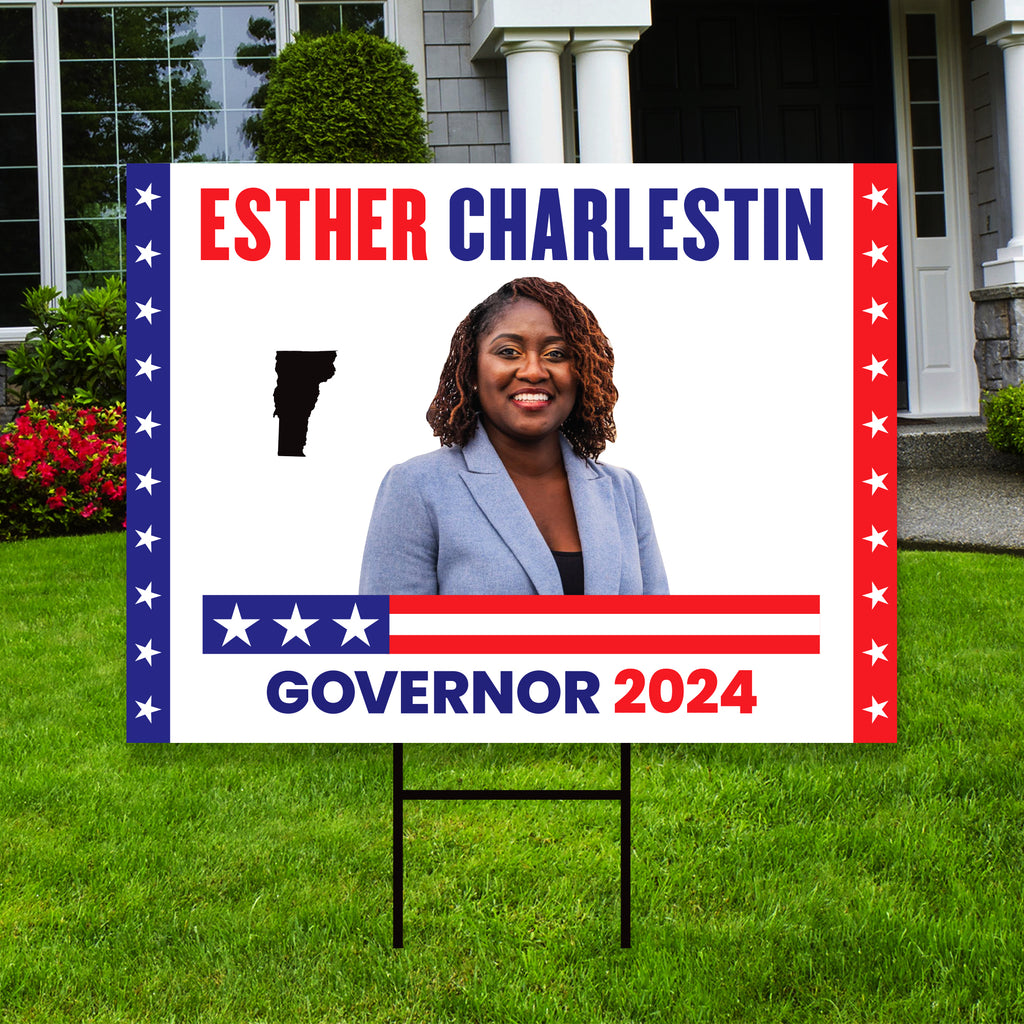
88	510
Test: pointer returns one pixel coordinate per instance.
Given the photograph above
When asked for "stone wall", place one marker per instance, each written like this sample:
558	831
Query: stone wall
999	336
467	102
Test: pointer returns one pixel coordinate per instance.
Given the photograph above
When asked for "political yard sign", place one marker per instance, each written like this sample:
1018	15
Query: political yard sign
287	329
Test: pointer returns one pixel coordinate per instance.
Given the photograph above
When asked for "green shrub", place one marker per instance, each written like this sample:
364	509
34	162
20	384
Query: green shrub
62	471
344	98
76	349
1004	411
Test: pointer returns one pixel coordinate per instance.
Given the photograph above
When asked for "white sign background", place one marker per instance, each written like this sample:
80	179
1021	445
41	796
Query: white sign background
735	412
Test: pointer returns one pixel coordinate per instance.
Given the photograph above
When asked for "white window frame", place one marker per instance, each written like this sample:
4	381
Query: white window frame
403	22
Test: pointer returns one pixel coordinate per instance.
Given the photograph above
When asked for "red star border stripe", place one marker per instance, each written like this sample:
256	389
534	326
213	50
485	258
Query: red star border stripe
875	266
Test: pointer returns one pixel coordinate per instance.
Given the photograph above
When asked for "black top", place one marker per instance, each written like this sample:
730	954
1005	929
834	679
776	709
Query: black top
570	568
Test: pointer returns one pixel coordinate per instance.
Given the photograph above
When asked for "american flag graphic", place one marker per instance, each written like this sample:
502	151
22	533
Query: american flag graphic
354	625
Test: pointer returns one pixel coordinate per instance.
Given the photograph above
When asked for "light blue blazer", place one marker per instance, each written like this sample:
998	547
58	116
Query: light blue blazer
452	522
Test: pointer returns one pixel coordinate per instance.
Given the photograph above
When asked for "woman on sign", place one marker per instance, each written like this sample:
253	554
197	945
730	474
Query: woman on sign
515	502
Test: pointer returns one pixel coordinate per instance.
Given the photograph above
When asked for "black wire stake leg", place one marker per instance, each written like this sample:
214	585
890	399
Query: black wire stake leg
397	846
625	846
400	794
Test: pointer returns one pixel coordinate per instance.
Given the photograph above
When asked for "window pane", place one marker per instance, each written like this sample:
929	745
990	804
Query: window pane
19	186
16	34
319	19
931	216
368	17
88	191
87	85
86	33
17	87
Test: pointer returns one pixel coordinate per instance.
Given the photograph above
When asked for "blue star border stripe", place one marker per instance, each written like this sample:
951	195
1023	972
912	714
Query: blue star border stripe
148	639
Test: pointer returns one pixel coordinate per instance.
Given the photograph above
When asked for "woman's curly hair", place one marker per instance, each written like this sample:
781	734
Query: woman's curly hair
453	412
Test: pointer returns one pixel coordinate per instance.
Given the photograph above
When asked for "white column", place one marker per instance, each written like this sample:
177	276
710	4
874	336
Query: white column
1013	71
602	99
534	100
1002	23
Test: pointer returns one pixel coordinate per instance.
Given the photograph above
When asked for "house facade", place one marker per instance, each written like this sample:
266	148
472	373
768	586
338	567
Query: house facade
936	85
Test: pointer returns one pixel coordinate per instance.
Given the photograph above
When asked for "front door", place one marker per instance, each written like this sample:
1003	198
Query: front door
933	208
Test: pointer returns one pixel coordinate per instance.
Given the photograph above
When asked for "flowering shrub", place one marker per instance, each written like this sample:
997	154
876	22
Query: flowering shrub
62	471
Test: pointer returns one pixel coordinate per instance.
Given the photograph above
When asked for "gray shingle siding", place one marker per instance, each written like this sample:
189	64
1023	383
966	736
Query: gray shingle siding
467	102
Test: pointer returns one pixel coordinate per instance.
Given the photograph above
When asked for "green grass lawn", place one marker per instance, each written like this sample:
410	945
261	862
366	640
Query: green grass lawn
252	883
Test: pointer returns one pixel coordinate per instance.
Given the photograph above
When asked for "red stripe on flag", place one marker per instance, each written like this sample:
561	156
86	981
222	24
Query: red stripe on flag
621	644
688	604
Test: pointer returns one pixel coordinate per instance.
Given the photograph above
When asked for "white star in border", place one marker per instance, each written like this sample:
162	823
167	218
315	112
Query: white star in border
877	594
147	309
296	626
877	652
876	195
877	480
148	252
876	252
876	309
355	627
146	480
147	709
876	708
147	366
146	196
876	423
146	651
146	594
236	626
147	423
146	537
877	538
876	366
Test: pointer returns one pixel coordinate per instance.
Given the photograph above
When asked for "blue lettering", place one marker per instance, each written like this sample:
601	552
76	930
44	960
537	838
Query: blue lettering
590	211
691	204
807	226
465	201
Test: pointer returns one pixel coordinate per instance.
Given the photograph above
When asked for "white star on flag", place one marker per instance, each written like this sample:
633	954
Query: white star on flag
876	366
877	538
876	708
146	537
877	594
147	709
147	252
146	309
146	594
146	423
236	626
146	651
877	652
876	195
876	309
146	196
146	480
876	252
877	480
876	423
355	626
146	366
294	627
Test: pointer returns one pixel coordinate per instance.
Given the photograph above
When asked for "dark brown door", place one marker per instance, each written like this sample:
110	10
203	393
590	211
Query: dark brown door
764	81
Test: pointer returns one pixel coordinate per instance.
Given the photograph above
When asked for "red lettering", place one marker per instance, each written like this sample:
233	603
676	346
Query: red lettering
244	203
340	225
409	211
293	198
210	224
368	223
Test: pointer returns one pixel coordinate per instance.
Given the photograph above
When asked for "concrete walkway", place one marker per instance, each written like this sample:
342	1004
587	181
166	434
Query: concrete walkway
954	492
